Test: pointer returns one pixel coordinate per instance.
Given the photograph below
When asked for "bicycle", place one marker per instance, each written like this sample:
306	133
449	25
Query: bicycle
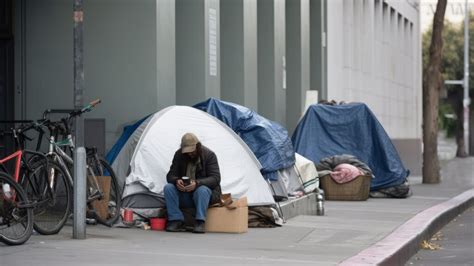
43	183
103	192
16	215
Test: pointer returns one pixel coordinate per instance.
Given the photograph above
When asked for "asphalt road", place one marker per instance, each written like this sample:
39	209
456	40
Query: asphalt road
453	245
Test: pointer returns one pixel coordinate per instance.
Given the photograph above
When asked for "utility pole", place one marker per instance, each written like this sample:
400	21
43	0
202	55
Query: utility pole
465	81
79	225
466	101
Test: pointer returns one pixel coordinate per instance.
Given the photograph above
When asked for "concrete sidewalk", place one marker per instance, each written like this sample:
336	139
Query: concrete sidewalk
344	234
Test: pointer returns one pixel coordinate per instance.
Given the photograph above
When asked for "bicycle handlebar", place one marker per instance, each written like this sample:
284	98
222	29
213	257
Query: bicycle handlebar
72	112
18	133
15	121
95	102
56	111
87	108
30	124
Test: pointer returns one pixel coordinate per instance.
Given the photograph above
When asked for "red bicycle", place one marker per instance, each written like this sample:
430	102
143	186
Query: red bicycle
43	181
16	214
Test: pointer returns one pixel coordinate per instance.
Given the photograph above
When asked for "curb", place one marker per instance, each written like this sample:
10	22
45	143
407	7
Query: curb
305	205
398	247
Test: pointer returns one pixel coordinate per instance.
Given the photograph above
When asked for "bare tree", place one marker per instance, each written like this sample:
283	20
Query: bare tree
432	82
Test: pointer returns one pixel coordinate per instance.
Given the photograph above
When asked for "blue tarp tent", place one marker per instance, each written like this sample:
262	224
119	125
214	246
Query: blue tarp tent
268	140
127	132
327	130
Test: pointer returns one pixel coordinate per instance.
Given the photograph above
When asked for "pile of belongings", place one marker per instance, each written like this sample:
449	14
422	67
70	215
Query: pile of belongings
330	128
343	168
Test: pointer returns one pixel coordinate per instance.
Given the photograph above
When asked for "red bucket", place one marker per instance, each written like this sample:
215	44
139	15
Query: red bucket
128	216
158	224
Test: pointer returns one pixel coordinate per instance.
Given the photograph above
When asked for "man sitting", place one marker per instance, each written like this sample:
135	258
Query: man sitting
193	181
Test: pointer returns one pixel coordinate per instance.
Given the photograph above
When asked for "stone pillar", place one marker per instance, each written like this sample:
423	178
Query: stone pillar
297	59
239	82
165	53
318	55
197	51
271	60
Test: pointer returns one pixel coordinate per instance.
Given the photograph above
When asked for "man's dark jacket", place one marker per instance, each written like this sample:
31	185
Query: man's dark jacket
207	172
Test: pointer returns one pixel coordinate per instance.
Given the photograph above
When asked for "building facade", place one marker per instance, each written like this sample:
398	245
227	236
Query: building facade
143	55
374	56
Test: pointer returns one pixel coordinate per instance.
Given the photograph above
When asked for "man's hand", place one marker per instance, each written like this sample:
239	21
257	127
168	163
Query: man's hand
180	185
191	187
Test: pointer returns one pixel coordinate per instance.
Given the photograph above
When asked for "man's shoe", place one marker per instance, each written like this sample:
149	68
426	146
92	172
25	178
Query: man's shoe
175	226
199	227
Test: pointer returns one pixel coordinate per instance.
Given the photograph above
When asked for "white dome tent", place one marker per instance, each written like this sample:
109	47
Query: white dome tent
148	152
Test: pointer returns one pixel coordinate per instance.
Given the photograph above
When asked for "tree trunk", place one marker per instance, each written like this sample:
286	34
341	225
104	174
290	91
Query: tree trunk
432	82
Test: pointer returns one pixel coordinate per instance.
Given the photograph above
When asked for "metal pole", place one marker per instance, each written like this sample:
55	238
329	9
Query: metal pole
79	226
466	100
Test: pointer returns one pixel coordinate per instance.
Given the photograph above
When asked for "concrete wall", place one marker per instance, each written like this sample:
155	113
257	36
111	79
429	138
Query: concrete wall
197	50
297	59
318	47
128	59
271	60
143	55
165	53
239	72
410	153
374	57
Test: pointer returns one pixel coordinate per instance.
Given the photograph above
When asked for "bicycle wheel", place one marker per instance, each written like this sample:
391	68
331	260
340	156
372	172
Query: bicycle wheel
16	217
103	193
47	185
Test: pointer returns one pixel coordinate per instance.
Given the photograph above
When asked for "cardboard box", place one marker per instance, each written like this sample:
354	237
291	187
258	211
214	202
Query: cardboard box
102	206
223	220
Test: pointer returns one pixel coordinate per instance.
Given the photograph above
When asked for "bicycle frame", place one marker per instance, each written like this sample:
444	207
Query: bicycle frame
18	155
66	161
60	156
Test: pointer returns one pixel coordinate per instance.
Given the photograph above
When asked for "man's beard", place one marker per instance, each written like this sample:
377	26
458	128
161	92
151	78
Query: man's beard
193	160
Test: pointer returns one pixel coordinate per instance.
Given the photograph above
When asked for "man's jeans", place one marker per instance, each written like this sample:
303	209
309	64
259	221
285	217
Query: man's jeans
198	199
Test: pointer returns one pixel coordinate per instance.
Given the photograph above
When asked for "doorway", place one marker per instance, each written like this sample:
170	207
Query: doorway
6	73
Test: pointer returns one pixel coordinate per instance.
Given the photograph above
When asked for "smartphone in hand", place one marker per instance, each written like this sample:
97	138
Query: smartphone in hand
186	180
